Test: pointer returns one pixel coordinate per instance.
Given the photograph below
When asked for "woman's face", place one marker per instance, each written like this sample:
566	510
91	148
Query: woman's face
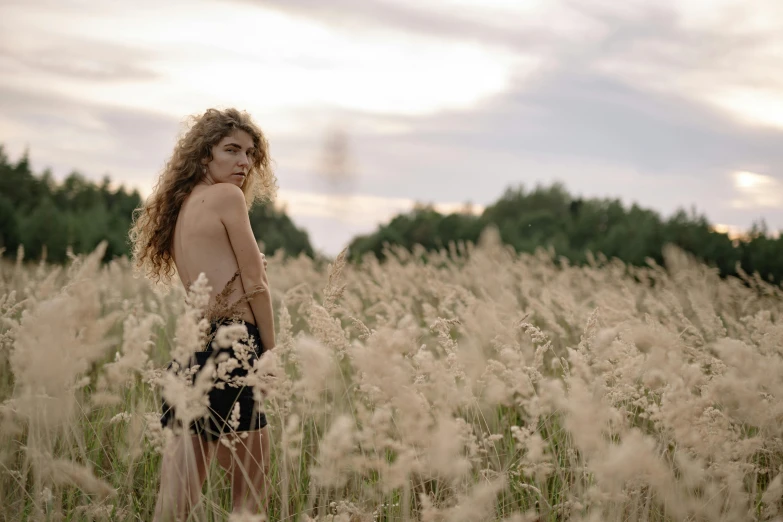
231	159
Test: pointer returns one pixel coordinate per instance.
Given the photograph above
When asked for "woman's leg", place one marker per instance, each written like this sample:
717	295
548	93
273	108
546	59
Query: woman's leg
248	466
183	470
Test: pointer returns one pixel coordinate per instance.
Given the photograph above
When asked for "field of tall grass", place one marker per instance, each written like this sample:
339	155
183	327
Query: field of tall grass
471	385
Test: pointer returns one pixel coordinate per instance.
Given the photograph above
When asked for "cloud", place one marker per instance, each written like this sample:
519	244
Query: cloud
178	59
723	53
77	58
64	135
567	118
43	40
455	21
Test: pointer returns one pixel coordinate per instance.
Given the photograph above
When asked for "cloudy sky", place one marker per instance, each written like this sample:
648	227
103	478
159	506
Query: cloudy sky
667	103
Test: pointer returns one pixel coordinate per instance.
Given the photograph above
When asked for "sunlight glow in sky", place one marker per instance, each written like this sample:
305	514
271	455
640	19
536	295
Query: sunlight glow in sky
754	106
757	190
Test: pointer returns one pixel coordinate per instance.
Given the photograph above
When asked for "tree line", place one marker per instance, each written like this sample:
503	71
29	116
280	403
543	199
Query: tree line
48	217
548	216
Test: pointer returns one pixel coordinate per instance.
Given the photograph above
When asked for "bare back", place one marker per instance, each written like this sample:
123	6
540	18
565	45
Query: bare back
201	244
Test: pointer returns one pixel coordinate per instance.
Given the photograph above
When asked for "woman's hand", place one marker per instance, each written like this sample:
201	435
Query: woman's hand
263	259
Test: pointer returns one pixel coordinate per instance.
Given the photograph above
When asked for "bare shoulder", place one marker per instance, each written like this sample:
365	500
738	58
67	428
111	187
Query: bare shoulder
227	199
224	193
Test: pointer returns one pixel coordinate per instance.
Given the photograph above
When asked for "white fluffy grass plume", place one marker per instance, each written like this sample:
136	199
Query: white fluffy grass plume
473	384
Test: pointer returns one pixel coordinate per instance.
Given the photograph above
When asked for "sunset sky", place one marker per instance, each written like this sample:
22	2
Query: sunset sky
667	103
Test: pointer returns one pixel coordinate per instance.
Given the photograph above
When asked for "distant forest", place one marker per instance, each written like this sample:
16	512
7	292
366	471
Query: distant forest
551	217
48	217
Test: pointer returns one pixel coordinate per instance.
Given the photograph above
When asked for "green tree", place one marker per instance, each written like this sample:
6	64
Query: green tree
44	215
9	225
551	217
276	230
45	229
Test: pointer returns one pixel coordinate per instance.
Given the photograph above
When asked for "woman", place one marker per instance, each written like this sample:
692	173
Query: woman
196	221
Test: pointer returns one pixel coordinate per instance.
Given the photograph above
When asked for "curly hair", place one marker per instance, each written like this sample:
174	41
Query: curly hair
152	231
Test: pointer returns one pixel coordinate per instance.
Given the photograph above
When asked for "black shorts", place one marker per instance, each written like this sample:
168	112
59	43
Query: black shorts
222	400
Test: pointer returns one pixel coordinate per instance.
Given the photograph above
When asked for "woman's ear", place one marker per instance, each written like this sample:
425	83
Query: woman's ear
207	155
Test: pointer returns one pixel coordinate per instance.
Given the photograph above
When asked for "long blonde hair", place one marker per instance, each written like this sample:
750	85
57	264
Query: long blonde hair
152	231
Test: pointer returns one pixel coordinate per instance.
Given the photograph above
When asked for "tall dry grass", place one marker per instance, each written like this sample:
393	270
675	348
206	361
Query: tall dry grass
469	385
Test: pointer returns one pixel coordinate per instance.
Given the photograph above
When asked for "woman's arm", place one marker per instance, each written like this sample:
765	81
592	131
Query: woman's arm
231	207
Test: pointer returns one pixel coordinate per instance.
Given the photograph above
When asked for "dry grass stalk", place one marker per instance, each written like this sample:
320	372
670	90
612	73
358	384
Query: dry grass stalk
492	387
